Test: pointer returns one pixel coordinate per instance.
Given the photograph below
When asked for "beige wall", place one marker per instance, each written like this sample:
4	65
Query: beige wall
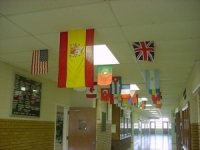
51	95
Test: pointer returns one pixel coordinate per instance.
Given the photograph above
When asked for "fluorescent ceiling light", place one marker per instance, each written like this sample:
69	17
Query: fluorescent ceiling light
155	113
148	105
134	87
152	111
103	56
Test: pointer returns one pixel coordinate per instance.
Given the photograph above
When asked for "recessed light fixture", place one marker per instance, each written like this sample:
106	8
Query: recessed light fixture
103	56
148	105
152	111
134	87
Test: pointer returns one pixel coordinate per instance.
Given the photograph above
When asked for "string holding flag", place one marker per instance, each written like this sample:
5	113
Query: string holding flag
39	62
144	50
76	67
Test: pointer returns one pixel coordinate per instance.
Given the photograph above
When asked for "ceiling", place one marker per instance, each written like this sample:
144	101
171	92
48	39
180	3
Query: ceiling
174	26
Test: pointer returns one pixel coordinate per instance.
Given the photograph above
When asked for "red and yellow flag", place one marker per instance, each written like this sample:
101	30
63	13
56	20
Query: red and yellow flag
76	59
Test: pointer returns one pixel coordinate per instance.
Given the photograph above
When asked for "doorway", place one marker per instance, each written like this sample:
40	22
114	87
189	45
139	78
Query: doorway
165	127
82	129
152	127
61	127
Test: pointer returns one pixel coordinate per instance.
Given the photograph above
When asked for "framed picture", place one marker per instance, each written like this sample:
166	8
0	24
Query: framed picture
26	99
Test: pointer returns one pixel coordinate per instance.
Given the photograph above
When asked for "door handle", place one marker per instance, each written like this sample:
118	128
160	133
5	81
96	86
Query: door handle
93	142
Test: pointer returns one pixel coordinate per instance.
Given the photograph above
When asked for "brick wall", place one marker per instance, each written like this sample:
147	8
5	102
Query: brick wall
103	138
194	136
26	135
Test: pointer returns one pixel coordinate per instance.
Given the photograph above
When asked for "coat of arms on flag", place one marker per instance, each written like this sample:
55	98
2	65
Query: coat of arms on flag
144	50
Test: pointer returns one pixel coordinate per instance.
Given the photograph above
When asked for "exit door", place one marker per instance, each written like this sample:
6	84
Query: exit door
152	127
165	127
82	129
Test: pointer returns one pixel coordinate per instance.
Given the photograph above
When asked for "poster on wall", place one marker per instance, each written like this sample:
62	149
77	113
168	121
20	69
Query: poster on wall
26	99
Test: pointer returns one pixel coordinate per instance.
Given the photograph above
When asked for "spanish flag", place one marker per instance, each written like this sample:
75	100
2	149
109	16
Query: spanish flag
76	67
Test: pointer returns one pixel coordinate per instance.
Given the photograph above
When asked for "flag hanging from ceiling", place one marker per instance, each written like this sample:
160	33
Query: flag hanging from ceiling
124	103
76	59
144	50
125	91
113	98
134	99
154	91
143	105
91	92
104	75
158	104
115	86
105	94
39	62
152	79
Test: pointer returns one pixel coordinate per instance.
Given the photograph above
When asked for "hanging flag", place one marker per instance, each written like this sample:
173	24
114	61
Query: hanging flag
134	99
39	62
159	104
124	103
152	79
143	105
91	92
115	86
105	94
119	102
155	98
125	91
154	91
144	50
104	75
76	59
113	98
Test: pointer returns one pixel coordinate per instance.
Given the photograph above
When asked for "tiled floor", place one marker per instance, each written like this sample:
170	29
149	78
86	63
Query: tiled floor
154	142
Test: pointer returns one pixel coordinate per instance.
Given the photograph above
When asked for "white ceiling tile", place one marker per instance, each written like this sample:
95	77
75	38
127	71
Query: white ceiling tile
10	30
52	40
162	31
146	12
21	44
10	7
65	19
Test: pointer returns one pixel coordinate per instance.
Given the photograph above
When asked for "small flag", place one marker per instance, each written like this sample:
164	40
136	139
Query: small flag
154	91
124	103
105	94
125	91
76	67
152	79
115	86
91	92
39	62
104	75
113	98
134	99
159	104
143	104
144	50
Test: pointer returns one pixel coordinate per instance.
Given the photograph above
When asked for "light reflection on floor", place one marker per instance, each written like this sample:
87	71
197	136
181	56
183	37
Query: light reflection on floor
154	142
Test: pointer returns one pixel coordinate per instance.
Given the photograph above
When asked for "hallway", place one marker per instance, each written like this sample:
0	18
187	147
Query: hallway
154	142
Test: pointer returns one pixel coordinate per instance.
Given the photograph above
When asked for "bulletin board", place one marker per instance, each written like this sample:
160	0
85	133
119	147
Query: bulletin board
26	98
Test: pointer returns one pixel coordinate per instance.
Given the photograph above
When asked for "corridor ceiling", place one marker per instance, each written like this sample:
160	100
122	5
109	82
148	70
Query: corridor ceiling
174	26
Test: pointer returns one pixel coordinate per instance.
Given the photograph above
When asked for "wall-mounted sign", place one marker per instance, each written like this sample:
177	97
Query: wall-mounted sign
26	98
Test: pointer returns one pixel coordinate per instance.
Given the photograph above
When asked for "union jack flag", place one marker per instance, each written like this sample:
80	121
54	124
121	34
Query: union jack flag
144	50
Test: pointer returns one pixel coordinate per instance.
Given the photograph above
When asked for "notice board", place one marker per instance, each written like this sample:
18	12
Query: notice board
26	99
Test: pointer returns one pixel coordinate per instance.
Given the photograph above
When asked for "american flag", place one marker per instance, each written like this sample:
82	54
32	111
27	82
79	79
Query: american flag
39	62
144	50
